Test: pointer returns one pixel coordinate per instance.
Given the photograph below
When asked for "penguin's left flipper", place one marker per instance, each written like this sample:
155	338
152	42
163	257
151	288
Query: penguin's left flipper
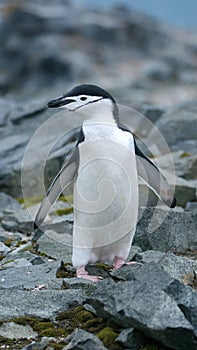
65	176
151	175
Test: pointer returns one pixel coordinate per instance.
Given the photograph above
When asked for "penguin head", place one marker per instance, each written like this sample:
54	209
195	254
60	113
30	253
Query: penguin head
87	99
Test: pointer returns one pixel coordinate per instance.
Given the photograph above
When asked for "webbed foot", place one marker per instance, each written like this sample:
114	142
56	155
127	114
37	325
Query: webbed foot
82	273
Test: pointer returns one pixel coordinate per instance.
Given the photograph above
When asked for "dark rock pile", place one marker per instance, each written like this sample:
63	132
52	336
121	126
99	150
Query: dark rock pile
47	47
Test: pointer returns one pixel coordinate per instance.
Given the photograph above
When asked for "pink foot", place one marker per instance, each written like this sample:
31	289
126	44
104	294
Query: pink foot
118	262
82	273
133	263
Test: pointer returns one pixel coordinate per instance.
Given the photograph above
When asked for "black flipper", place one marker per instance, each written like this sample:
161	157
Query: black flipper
152	177
65	176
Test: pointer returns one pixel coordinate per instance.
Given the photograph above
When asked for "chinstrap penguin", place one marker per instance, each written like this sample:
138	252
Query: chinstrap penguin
104	166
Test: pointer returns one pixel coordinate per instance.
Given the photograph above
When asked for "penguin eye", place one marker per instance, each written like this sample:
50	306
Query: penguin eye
83	98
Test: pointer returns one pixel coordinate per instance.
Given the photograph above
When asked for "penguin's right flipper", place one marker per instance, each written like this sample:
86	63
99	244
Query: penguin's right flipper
65	176
154	179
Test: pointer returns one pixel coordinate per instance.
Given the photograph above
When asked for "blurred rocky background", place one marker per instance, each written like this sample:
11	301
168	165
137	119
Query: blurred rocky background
47	47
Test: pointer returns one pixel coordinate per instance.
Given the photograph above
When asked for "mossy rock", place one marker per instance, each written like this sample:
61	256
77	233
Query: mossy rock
29	201
44	328
21	242
108	336
8	241
79	317
67	199
64	211
64	271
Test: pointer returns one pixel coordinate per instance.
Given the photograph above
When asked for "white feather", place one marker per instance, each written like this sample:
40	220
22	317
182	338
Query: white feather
105	194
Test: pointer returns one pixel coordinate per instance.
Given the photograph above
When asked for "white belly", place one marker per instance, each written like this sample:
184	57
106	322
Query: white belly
105	196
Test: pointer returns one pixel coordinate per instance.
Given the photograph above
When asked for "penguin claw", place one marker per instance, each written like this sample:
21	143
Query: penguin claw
118	262
133	263
82	273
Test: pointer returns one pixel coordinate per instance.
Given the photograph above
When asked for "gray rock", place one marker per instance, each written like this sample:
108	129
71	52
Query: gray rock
185	192
175	266
154	274
185	182
37	303
149	256
152	112
37	260
17	221
179	124
133	251
186	167
6	106
22	248
22	262
158	71
7	202
12	330
126	273
191	206
166	231
27	110
131	338
56	245
150	274
82	340
14	238
78	283
39	345
4	250
10	258
145	307
186	299
27	277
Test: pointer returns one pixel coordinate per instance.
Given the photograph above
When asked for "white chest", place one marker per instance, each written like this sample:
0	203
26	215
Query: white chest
96	131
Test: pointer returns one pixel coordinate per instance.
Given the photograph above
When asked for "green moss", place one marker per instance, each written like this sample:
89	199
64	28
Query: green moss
19	243
57	346
153	345
53	332
29	201
63	272
64	211
44	328
8	241
78	317
185	154
67	199
93	325
1	257
108	336
15	344
103	266
9	261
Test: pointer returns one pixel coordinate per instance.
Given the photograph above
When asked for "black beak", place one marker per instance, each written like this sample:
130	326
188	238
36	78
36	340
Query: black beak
59	102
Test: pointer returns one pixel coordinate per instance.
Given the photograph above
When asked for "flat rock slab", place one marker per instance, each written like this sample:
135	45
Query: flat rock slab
82	340
176	266
144	304
42	303
8	202
29	277
12	330
181	118
166	231
56	245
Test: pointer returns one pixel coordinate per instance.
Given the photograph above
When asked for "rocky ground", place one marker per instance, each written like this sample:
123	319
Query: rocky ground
147	66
